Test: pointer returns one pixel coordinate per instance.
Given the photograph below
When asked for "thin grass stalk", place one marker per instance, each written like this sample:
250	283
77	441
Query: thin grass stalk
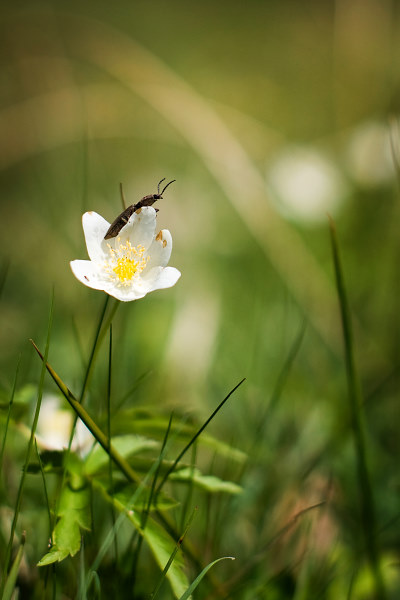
109	538
78	343
189	495
99	335
194	438
284	374
94	349
257	557
82	589
29	449
174	553
132	389
164	518
3	445
110	465
196	582
46	496
367	504
146	512
9	586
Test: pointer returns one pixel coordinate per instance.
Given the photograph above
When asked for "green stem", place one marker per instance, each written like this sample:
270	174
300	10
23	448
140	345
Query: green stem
110	466
194	438
368	514
9	414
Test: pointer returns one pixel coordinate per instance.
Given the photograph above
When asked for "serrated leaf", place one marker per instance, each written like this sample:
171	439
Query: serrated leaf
74	515
126	445
67	542
210	483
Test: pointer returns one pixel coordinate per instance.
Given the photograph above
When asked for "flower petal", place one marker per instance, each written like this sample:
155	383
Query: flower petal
95	228
164	278
140	228
125	294
88	273
159	251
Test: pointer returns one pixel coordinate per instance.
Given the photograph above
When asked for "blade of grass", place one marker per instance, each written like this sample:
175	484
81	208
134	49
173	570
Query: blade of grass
45	489
368	514
146	512
13	574
110	465
171	558
164	518
132	389
99	335
194	438
196	582
94	349
9	414
257	558
121	463
120	520
29	449
286	369
189	494
82	589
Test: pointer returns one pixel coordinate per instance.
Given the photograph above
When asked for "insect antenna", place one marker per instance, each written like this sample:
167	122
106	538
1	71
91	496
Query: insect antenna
158	187
165	186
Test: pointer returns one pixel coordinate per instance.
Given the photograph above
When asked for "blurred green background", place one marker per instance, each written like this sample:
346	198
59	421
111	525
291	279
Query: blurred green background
270	116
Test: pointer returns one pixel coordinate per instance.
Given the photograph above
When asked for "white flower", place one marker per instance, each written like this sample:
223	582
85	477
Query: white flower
130	265
54	427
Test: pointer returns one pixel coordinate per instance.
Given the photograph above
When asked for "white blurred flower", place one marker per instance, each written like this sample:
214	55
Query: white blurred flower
54	427
130	265
306	185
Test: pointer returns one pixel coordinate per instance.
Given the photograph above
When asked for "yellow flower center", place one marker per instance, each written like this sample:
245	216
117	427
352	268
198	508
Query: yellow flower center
125	261
126	268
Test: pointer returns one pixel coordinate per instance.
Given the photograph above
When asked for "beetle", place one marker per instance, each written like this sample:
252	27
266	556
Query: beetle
124	217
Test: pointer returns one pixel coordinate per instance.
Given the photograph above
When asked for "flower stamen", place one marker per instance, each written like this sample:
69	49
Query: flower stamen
125	261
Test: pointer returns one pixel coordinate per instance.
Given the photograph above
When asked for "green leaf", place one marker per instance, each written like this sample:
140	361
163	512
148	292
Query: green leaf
125	445
125	493
74	515
210	483
162	546
155	426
